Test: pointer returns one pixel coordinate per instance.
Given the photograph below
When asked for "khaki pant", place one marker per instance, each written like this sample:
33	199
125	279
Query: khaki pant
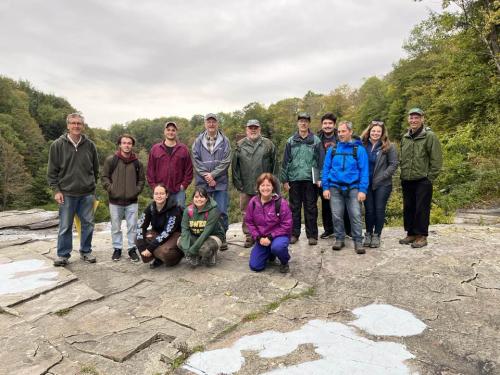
244	199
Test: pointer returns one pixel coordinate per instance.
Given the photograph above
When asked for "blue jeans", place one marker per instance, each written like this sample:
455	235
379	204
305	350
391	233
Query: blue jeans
375	203
348	199
260	254
222	199
118	213
83	207
180	197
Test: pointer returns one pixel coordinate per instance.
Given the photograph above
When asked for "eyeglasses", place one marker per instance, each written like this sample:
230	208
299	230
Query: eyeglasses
75	123
376	122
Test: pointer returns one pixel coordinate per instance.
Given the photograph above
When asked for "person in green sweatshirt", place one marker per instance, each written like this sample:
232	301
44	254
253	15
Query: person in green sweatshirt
202	232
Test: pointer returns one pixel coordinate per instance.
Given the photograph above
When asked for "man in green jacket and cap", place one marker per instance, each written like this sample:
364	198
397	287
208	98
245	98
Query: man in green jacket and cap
421	162
253	156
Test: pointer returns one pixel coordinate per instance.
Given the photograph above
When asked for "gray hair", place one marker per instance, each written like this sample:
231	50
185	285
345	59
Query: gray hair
348	124
75	115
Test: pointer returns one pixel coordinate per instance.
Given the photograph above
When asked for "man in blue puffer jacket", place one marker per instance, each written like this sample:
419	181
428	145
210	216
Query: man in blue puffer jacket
345	181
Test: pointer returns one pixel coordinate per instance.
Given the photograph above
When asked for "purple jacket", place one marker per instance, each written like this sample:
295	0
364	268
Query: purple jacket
171	170
262	220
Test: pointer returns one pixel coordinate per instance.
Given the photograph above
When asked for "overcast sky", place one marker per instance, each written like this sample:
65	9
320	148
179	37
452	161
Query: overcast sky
117	61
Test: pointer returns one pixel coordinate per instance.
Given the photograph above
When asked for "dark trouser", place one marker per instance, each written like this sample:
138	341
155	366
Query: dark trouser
244	199
304	193
326	213
375	203
417	197
167	252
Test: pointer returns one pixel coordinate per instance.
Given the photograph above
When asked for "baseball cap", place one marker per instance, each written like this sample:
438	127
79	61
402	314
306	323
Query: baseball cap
253	123
170	123
304	115
416	110
211	115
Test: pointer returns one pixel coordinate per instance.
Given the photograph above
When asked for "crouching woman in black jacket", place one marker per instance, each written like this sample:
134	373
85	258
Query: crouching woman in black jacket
160	243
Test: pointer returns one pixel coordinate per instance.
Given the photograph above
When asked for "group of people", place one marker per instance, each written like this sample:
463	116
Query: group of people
343	169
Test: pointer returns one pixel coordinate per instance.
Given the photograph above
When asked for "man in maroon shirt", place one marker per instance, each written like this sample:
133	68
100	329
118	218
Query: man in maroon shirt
170	164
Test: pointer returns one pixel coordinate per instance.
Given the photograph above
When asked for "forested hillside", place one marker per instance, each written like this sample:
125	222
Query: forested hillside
452	72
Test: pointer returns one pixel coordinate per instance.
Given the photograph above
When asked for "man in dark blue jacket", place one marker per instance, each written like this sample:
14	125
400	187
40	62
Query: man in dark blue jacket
345	180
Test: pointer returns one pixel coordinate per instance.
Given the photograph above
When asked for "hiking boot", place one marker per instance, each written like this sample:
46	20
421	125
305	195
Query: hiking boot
248	242
312	241
88	257
60	262
407	240
358	248
375	241
284	268
271	260
132	253
193	260
211	260
156	263
326	235
337	245
368	240
419	242
224	246
117	254
293	240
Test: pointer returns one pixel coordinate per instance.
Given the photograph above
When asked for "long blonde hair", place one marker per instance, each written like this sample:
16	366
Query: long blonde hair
384	138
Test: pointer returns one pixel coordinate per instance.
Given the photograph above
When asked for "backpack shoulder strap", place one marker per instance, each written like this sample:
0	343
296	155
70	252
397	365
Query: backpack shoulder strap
137	167
190	211
277	206
355	152
114	163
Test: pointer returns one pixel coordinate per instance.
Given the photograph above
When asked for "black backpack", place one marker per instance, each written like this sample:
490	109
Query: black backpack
114	163
354	152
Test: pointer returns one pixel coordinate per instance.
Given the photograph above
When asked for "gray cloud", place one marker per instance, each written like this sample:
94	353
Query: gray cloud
120	60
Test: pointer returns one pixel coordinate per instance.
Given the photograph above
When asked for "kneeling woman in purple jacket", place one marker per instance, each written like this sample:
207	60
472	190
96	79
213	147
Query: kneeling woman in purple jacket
269	222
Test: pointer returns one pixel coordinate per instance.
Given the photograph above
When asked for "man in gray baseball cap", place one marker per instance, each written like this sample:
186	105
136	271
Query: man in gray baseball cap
253	156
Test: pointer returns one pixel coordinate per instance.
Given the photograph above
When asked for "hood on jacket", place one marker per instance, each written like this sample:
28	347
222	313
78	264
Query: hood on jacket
211	204
130	159
307	140
65	136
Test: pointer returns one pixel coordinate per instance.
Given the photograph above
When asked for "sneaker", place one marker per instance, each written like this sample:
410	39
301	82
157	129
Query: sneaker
117	254
358	247
293	240
338	245
368	240
312	241
60	262
192	260
284	268
419	242
132	253
407	240
224	246
326	235
88	257
375	241
156	263
248	242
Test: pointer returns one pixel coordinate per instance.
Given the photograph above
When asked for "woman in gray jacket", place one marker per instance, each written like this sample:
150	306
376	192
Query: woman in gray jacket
383	162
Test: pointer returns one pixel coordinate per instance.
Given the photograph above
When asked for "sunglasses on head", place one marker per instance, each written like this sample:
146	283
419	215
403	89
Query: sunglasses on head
376	122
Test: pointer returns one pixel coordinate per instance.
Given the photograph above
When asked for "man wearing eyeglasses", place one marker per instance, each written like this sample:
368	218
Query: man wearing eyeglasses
253	156
345	180
72	175
421	162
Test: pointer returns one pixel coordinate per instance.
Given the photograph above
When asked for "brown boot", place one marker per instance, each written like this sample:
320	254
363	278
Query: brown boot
419	242
407	240
248	242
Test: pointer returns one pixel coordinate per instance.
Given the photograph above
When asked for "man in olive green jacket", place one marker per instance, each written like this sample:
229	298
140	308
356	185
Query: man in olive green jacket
253	156
421	162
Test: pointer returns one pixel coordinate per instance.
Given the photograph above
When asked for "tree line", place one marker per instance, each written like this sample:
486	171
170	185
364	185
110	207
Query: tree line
451	71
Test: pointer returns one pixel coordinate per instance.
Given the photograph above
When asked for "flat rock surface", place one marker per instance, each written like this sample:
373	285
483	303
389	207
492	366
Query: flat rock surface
434	310
28	218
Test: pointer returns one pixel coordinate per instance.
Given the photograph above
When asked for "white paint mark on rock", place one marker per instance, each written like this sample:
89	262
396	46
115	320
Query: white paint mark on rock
220	361
343	350
24	275
387	320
